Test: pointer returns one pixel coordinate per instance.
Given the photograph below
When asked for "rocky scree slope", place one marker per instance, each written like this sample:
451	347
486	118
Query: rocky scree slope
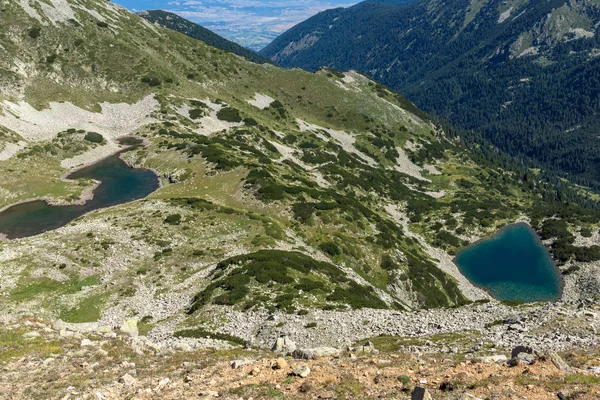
535	62
282	191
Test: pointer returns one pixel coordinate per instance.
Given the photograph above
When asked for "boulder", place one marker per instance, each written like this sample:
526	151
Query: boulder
527	358
497	358
31	335
468	396
127	380
130	328
235	364
520	349
301	370
420	393
87	343
280	363
559	362
59	325
284	344
317	352
367	347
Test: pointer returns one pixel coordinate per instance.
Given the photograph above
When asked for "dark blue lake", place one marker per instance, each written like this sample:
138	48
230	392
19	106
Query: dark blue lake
512	265
120	184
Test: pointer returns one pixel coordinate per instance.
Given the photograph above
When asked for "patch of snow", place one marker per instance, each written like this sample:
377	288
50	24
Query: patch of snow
10	149
344	139
261	101
505	15
115	120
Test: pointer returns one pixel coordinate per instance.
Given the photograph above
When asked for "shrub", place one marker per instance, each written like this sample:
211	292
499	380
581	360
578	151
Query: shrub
229	114
35	33
203	333
151	80
102	24
94	137
330	248
173	219
311	325
51	58
196	113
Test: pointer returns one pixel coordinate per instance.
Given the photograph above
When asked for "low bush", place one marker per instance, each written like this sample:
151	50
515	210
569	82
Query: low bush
94	137
229	114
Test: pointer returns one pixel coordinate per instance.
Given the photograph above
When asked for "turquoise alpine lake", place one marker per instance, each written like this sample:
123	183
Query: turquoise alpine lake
119	184
512	265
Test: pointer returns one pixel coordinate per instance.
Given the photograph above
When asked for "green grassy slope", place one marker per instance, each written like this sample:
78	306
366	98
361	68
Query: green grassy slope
281	189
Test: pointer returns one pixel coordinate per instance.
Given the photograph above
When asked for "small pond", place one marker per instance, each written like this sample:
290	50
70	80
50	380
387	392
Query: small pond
119	184
512	265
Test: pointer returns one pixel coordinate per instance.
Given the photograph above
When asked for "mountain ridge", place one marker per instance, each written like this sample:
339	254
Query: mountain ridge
531	59
196	31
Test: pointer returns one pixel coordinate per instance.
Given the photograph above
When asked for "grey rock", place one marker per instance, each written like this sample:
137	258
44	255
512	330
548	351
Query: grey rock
520	349
317	352
497	358
129	328
468	396
302	371
559	362
527	358
59	325
235	364
127	380
284	344
31	335
420	393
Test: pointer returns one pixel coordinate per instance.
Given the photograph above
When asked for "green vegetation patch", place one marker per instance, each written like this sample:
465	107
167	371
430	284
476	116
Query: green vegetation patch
234	277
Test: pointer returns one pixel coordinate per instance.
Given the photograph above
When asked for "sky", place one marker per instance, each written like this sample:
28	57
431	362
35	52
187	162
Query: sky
252	23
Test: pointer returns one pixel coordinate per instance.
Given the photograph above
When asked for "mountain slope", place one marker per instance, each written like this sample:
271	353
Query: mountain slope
195	31
282	191
523	73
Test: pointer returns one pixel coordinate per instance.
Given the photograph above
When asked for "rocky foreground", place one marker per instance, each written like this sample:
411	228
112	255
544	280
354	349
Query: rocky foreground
55	360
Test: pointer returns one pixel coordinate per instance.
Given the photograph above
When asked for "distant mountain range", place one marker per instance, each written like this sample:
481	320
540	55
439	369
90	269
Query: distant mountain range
195	31
524	73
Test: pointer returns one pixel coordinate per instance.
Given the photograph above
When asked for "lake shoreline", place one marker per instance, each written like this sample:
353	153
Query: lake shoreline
539	242
87	194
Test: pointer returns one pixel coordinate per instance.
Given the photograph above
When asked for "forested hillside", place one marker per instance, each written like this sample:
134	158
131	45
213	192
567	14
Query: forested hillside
526	74
195	31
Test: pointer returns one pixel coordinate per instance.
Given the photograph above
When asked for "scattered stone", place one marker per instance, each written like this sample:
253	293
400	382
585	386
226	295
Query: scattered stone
130	328
559	362
163	382
235	364
520	349
30	335
87	343
527	358
420	393
255	371
210	393
302	371
127	380
498	358
313	354
468	396
367	347
284	344
280	363
59	325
